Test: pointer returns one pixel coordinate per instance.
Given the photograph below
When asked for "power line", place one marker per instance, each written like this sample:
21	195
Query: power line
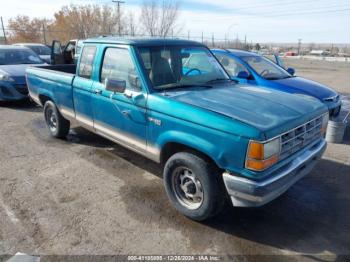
278	14
320	8
308	13
271	4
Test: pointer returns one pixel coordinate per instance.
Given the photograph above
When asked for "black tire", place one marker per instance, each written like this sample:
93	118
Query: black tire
56	123
209	181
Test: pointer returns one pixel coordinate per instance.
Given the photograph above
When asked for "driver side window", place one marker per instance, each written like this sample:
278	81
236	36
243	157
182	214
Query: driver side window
232	66
118	65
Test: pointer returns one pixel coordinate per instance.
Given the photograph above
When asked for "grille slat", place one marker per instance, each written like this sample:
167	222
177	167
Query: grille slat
299	137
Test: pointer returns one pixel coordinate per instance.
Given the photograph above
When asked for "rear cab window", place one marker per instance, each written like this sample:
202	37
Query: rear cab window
86	61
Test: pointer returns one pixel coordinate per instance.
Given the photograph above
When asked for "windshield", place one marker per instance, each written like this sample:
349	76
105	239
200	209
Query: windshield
266	68
18	56
40	49
180	66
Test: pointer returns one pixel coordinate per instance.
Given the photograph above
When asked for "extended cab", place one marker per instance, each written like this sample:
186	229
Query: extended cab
216	139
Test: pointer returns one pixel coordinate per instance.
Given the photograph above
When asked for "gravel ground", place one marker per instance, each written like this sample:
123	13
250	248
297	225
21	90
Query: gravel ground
88	196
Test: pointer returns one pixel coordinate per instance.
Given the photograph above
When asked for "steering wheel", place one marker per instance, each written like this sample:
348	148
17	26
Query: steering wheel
193	69
265	71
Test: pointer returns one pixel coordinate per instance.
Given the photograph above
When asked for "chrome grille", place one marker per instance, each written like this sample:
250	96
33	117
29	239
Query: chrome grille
296	139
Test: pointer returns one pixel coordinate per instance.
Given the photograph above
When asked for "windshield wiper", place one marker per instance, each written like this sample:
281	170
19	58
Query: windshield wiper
183	86
278	78
219	79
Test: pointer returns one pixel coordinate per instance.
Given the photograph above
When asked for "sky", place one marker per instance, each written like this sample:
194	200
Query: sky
267	21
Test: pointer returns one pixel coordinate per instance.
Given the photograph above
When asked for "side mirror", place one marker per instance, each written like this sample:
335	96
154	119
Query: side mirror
291	71
115	86
243	75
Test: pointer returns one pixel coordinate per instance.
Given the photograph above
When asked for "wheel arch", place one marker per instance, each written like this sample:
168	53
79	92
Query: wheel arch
43	98
171	148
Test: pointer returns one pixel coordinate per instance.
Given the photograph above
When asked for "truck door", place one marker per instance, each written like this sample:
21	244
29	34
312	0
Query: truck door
120	116
82	86
56	53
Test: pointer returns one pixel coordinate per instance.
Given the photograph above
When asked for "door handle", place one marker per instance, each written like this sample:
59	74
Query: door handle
98	91
126	113
128	95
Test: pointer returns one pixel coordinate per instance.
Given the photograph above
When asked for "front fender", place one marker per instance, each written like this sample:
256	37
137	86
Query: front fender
226	151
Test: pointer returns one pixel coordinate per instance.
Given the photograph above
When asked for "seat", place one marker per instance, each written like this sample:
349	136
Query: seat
161	73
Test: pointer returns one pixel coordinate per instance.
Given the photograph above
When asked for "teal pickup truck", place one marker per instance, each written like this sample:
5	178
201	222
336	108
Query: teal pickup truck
216	140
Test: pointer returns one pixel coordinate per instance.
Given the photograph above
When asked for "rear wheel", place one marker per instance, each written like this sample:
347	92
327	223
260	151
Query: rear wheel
193	187
56	123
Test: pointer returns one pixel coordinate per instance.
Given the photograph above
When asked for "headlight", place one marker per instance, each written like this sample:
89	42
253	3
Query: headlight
5	77
324	123
261	155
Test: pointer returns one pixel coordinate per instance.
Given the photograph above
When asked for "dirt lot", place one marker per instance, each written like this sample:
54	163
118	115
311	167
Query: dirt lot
88	196
334	74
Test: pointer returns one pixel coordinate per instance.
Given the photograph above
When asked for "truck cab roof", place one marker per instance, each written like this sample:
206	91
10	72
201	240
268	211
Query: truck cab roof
141	41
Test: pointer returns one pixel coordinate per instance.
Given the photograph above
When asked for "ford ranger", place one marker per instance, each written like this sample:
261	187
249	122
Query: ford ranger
215	139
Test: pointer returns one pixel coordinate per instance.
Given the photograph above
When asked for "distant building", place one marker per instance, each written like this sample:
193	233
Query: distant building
343	54
290	53
319	52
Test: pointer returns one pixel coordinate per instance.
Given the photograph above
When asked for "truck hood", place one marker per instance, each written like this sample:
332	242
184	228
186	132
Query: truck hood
305	86
17	72
263	108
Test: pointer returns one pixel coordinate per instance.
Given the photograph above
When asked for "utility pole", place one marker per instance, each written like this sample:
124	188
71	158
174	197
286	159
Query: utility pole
202	37
332	49
118	2
3	30
299	45
212	40
44	33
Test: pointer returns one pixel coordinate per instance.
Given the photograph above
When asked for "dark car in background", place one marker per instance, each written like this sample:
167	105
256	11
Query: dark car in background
43	51
14	60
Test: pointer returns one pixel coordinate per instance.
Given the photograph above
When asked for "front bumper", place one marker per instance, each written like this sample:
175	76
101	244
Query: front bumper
250	193
11	92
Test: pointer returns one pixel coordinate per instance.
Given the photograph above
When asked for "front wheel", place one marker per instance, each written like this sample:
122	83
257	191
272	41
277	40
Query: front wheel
193	187
56	123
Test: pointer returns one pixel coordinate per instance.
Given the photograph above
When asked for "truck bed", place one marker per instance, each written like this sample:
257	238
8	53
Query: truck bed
53	81
69	69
